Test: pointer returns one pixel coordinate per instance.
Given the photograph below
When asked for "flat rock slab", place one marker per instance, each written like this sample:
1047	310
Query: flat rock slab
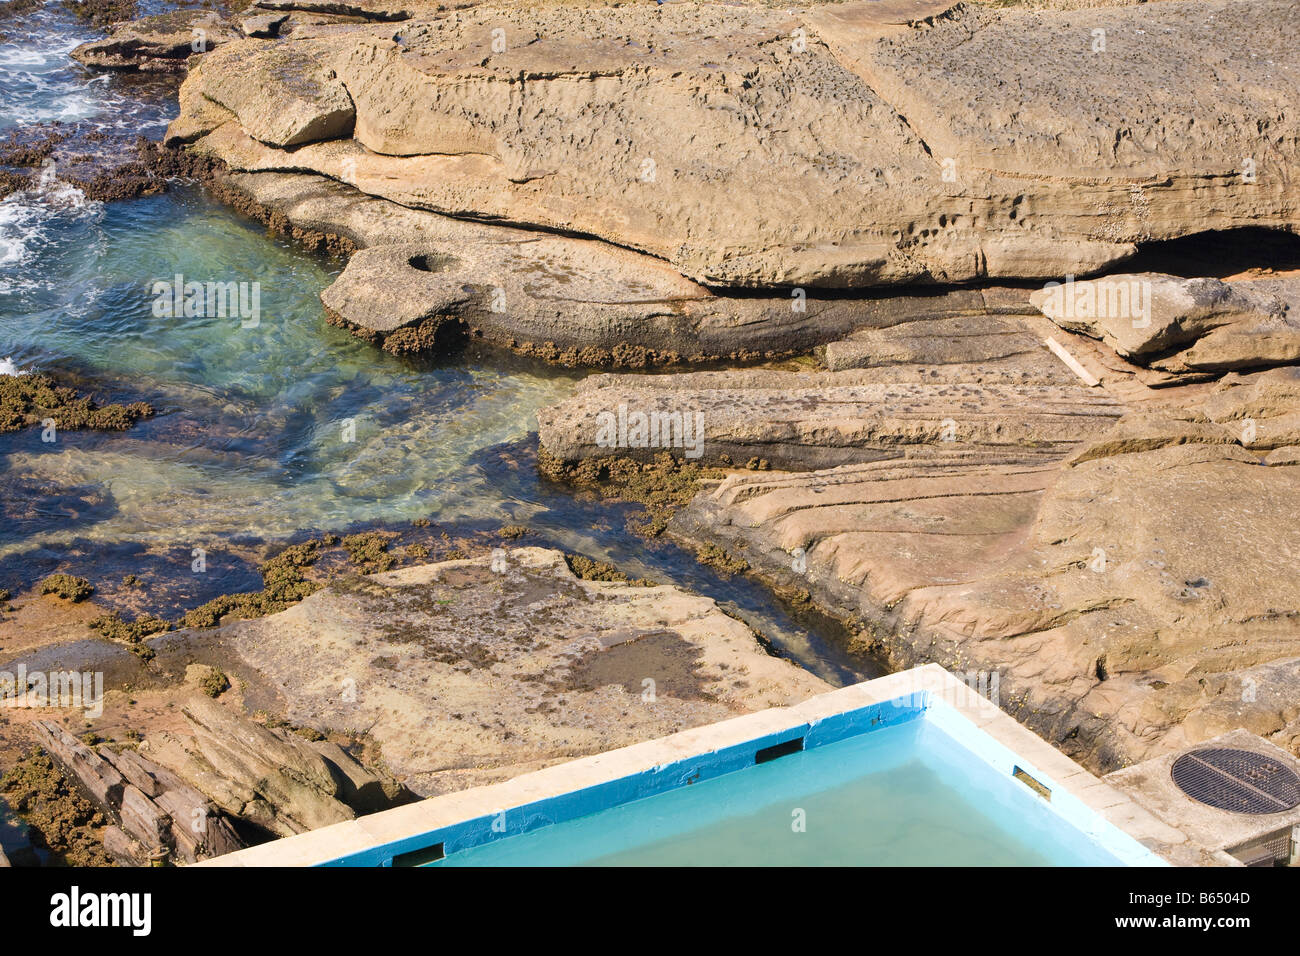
464	675
1079	94
989	348
808	149
816	420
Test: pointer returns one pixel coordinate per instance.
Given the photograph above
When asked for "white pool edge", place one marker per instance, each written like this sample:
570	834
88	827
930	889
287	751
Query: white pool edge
1117	824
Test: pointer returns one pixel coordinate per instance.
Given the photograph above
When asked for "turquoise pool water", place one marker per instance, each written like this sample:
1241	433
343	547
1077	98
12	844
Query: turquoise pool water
905	795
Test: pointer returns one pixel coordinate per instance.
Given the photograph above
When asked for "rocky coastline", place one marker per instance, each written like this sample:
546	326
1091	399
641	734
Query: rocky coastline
880	326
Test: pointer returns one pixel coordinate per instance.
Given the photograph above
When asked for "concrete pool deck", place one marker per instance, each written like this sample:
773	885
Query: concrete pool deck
377	839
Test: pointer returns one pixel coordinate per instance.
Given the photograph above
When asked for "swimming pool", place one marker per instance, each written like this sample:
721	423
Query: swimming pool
905	795
926	776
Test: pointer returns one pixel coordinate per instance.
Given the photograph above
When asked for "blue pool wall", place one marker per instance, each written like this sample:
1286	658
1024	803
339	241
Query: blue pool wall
513	821
1063	804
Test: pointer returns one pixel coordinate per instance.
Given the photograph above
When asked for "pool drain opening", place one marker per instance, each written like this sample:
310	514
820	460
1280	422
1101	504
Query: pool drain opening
778	750
421	857
1033	783
1240	781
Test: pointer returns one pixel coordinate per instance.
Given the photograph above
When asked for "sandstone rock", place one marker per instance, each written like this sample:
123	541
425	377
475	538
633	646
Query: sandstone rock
1033	97
1134	597
997	349
143	819
817	420
382	10
137	771
100	778
274	780
194	830
363	791
158	816
1286	455
282	97
123	849
1262	409
158	43
586	301
843	142
1180	325
578	301
463	675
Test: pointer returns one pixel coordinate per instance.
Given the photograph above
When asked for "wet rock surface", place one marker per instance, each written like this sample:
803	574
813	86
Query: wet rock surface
161	43
463	675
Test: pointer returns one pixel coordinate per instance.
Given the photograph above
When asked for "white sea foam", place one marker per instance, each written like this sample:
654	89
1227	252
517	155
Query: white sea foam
27	220
7	367
15	229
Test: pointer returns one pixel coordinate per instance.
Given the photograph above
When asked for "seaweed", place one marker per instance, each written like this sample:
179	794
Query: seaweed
62	820
68	587
27	400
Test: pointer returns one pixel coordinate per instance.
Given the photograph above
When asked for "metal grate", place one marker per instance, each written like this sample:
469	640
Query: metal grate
1238	780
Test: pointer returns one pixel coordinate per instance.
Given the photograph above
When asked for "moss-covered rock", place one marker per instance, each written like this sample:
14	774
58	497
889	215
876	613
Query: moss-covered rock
63	820
284	584
27	400
68	587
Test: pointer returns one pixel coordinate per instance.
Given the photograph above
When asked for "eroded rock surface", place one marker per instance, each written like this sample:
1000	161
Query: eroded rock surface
463	675
156	816
838	122
569	300
1122	558
1182	325
1133	597
815	420
270	777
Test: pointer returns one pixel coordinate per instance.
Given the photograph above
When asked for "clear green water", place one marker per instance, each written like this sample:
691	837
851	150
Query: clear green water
907	795
251	430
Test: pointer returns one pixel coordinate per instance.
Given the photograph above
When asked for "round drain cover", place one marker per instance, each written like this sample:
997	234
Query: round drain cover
1238	780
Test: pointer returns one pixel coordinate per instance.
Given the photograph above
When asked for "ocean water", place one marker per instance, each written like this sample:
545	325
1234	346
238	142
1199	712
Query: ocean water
264	432
907	795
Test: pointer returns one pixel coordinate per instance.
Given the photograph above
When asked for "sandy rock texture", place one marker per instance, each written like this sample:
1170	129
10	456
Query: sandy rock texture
836	147
421	280
1122	558
270	777
1096	510
463	675
821	419
1183	325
